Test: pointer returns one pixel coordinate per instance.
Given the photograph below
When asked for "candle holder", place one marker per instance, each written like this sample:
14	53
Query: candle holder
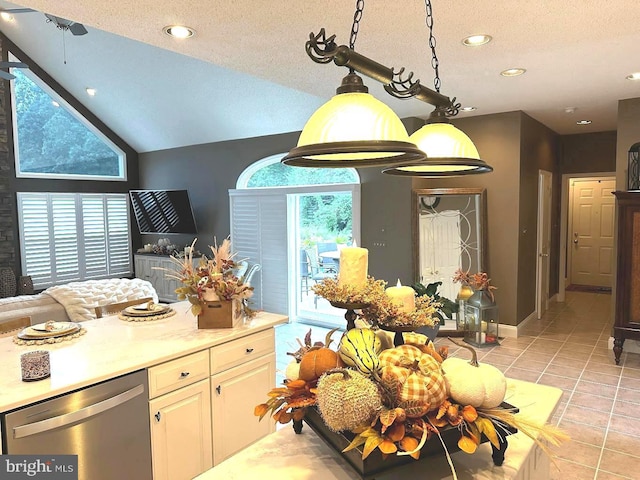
398	338
351	315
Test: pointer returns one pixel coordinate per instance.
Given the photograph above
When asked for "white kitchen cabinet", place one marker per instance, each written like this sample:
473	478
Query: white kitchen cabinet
180	416
153	268
243	372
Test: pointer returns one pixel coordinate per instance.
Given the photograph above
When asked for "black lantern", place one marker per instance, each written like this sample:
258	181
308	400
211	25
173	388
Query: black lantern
481	320
633	172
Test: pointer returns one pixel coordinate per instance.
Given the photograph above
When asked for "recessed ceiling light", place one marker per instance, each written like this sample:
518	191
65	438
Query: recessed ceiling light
513	72
583	122
634	76
91	91
179	31
468	109
476	40
6	16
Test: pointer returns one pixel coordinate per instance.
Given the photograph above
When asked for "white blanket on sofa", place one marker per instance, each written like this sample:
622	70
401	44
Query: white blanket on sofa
80	298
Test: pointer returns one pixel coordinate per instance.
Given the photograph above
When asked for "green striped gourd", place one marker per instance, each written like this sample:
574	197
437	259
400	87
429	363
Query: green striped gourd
359	348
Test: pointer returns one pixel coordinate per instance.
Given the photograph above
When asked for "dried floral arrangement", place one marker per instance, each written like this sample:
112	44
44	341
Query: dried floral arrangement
379	310
210	275
397	399
477	281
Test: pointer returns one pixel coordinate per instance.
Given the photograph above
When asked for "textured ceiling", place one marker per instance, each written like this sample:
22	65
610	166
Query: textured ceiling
246	73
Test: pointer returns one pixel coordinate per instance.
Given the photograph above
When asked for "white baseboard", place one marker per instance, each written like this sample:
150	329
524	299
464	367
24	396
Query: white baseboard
629	346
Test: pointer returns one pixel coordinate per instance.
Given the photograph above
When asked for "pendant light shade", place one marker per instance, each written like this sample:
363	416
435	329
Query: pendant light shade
353	129
450	152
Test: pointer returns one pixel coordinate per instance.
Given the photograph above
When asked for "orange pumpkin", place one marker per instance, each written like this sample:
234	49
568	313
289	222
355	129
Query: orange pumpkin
317	361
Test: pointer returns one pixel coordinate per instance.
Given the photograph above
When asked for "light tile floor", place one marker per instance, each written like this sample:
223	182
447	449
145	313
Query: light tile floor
568	348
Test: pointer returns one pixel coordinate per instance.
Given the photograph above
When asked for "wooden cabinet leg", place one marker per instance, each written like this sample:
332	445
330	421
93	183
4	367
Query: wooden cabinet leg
617	348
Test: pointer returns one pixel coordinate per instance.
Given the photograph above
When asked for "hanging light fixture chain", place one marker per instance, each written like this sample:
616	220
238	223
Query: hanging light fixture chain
357	16
432	44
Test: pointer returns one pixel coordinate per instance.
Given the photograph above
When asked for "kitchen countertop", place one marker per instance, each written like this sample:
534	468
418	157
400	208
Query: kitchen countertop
113	347
287	456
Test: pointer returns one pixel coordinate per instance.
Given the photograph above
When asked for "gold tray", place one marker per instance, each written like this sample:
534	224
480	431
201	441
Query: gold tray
143	310
35	332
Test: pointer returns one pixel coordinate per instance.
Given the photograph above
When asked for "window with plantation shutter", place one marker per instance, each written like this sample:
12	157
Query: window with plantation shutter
67	237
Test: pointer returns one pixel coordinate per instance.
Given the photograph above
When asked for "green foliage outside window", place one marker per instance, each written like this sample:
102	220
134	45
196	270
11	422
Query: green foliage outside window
323	217
52	141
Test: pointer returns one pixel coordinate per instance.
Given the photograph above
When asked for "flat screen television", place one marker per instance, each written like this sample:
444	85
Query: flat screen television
163	211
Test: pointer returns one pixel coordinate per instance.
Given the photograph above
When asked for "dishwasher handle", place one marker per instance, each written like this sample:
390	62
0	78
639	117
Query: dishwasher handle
73	417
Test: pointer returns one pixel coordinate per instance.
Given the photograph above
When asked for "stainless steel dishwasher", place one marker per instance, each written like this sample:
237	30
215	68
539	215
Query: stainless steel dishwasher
106	425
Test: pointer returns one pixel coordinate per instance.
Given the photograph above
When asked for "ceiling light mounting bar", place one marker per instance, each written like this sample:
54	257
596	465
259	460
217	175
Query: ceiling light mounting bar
324	50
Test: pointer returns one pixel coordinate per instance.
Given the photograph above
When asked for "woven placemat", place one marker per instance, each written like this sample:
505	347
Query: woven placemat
146	318
44	341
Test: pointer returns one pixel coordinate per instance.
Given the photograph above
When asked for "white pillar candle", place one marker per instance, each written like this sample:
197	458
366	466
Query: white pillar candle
354	265
402	297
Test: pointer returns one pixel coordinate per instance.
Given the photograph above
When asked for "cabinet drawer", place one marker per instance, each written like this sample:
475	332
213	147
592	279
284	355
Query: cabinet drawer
242	350
178	373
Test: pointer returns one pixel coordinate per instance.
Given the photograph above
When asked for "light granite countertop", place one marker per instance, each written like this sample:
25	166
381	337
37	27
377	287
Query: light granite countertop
287	456
113	347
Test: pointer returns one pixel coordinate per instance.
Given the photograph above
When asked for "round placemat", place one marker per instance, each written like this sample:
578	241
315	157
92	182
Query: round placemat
146	318
43	341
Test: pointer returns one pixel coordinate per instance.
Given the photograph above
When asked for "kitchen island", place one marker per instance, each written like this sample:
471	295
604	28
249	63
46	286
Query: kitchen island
287	456
186	371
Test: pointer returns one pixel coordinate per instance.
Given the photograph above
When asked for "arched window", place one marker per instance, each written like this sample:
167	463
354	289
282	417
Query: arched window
294	221
269	172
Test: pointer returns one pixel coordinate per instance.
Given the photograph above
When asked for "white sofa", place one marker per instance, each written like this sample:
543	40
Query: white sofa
74	301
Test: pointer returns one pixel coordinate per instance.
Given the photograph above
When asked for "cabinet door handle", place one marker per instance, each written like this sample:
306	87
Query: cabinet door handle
249	350
184	374
157	415
218	389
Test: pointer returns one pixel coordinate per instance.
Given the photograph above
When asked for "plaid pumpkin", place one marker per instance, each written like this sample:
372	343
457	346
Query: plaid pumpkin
418	373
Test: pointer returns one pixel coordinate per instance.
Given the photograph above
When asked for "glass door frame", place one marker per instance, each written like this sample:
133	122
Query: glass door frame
293	247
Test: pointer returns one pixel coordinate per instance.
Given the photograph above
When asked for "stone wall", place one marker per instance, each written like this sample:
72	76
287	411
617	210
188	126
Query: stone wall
8	225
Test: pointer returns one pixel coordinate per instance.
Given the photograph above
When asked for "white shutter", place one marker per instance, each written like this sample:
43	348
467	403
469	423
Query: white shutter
259	233
64	233
118	236
273	254
95	238
71	236
33	221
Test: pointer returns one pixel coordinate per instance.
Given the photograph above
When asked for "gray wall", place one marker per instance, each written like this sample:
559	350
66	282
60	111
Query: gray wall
208	171
539	150
497	138
588	153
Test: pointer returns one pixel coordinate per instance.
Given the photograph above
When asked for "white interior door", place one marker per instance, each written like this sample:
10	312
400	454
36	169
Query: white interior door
545	180
592	230
440	250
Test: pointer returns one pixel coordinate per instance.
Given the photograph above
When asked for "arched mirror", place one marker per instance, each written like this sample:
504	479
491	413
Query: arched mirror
449	232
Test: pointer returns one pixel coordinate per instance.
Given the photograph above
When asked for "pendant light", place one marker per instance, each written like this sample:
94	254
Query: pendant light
450	152
353	129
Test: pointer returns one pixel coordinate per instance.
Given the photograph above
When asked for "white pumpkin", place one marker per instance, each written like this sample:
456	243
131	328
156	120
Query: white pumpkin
471	383
293	371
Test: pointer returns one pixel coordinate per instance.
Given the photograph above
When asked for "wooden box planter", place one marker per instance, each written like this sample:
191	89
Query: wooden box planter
220	314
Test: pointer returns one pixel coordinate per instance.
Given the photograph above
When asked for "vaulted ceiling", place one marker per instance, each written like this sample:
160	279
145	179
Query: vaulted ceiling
245	73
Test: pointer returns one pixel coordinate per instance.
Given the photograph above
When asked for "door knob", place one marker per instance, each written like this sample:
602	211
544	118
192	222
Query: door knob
575	240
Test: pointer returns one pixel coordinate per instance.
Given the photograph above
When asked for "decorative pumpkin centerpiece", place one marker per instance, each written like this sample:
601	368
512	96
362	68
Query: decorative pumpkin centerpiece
393	400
